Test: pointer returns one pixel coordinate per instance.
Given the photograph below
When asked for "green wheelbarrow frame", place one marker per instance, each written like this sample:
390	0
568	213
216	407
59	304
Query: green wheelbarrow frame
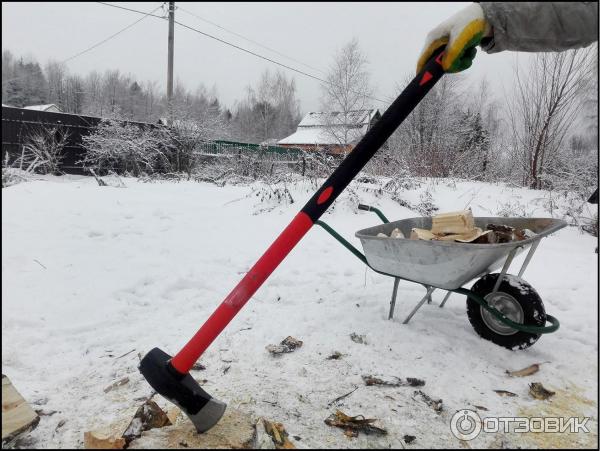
554	323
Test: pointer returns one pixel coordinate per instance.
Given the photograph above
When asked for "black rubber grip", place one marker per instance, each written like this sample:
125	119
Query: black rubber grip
364	207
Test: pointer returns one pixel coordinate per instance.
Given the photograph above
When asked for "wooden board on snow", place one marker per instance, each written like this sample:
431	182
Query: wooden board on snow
17	415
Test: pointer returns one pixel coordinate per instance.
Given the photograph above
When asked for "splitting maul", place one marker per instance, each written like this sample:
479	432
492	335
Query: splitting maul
169	376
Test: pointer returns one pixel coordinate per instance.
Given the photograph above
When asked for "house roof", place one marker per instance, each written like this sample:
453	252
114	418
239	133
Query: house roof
321	128
324	136
42	107
317	118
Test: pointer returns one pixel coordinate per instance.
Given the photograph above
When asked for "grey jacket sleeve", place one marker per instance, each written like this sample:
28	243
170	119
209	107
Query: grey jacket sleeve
540	26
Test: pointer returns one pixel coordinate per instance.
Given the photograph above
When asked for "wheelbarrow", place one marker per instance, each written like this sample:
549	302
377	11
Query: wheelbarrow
501	307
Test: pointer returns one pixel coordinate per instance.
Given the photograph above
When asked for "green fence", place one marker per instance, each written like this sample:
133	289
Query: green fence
220	147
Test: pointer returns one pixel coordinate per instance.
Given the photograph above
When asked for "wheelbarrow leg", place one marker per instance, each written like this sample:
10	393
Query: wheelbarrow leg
421	302
393	301
445	299
429	300
528	258
504	270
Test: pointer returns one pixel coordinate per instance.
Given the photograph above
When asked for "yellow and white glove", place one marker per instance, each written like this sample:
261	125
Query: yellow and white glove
461	33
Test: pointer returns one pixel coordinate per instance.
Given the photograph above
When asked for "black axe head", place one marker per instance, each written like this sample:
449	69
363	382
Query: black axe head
182	390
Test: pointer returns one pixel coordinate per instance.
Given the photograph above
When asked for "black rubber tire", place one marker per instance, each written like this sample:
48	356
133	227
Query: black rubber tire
529	300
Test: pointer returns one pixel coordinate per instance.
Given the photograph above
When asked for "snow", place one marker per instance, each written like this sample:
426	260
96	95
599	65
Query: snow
517	283
90	273
318	128
322	135
49	107
320	119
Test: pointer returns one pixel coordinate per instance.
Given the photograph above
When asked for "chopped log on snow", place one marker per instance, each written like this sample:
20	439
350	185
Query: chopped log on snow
17	415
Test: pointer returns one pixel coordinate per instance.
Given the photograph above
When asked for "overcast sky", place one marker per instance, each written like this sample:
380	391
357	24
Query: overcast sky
390	34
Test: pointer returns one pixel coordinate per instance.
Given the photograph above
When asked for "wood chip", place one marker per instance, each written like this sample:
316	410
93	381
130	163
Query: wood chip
421	234
278	434
360	339
148	416
480	407
408	439
356	424
60	424
538	391
435	404
505	393
414	382
409	382
288	344
116	384
339	398
397	233
45	413
531	369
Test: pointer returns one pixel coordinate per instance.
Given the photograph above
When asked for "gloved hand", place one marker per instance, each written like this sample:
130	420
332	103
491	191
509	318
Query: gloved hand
461	33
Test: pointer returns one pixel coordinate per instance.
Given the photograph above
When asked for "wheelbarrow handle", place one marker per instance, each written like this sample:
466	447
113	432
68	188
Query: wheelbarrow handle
377	211
311	212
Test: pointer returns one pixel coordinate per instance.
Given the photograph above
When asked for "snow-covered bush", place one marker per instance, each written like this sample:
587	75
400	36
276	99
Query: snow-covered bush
123	147
12	176
42	151
512	209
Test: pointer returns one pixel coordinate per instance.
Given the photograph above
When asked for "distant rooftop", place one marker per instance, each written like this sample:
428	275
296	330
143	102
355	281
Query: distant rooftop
327	128
48	107
353	118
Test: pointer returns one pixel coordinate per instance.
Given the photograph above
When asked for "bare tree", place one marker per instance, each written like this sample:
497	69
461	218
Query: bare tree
74	94
56	74
543	109
93	104
270	110
151	109
428	140
347	90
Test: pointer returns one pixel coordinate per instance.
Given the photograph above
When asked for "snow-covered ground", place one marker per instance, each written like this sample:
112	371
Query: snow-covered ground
90	273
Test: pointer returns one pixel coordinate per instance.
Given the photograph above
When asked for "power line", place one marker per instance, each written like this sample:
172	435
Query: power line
270	60
99	43
114	35
249	52
249	40
133	10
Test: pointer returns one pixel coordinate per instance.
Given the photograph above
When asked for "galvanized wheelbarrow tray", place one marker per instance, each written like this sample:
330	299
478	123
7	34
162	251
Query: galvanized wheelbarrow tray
501	307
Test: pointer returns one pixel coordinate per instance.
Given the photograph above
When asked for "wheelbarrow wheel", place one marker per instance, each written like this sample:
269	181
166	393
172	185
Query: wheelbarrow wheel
517	300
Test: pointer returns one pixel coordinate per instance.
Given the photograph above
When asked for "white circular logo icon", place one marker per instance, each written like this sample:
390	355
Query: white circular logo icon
465	424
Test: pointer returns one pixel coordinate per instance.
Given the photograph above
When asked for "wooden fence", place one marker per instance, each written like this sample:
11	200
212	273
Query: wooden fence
19	123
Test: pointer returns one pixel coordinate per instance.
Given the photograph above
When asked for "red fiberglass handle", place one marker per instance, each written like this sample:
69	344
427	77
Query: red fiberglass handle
304	220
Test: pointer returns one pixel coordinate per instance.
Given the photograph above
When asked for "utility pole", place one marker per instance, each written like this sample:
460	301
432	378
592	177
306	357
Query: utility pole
170	61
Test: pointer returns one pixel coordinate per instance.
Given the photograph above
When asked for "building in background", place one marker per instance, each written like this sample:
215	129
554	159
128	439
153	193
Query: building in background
335	132
49	108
